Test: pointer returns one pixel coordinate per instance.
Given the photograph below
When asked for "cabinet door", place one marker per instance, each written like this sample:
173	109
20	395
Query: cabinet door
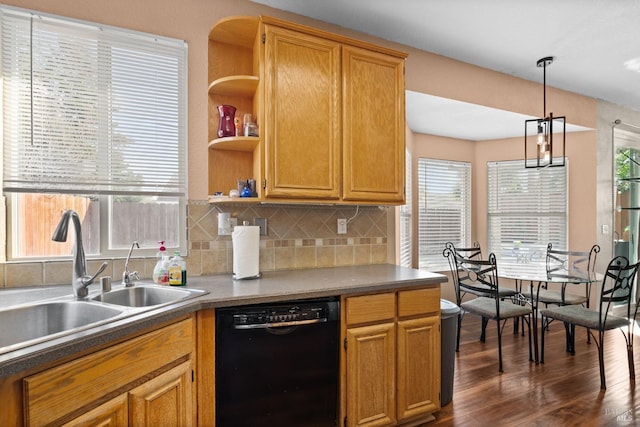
418	371
371	375
165	400
302	115
113	413
373	126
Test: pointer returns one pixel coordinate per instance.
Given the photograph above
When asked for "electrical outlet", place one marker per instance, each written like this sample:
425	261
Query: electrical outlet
342	226
262	223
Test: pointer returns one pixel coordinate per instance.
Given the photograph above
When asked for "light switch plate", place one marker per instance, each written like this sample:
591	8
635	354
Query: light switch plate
262	223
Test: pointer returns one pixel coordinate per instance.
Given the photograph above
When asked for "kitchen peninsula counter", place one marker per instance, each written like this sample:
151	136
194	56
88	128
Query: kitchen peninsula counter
223	291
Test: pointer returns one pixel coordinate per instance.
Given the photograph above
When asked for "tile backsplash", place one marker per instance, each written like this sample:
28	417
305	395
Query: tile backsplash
298	236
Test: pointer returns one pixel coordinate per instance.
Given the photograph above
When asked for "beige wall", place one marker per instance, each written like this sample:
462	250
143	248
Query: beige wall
191	20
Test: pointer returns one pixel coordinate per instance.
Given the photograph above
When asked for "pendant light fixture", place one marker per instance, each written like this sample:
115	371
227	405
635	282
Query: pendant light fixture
539	133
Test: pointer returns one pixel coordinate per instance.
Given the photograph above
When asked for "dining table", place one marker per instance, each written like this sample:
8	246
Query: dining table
535	276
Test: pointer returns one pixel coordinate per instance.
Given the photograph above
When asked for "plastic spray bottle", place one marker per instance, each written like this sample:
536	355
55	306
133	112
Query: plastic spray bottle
161	270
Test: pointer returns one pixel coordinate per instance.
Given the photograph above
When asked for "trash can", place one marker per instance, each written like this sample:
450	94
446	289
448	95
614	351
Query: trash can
448	331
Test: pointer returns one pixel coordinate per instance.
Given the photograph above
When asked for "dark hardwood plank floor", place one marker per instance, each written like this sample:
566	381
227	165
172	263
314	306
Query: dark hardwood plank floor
564	391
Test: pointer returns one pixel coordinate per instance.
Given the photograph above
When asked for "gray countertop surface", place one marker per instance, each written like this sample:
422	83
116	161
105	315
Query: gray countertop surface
222	290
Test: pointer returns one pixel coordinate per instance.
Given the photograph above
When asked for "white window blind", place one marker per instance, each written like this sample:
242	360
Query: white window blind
405	218
444	190
527	209
91	109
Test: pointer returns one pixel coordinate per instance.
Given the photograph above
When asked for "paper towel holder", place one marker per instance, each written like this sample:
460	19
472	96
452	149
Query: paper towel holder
257	276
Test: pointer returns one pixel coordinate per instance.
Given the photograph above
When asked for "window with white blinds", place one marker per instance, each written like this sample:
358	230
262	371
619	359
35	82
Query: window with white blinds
91	109
527	209
444	206
404	213
98	114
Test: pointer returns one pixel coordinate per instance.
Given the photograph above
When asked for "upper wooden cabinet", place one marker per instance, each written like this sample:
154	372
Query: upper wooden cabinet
302	115
373	126
330	112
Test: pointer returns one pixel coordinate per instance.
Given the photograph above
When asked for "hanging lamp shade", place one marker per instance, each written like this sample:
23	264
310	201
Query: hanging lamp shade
544	138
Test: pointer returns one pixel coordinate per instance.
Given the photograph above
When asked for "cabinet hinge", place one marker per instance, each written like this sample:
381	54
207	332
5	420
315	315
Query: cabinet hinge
193	376
345	421
264	38
344	344
264	184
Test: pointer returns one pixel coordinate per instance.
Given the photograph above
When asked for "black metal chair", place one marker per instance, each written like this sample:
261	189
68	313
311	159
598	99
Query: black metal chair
617	289
565	265
454	256
480	277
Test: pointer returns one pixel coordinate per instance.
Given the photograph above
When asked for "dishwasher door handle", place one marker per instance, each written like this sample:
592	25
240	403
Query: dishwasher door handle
280	324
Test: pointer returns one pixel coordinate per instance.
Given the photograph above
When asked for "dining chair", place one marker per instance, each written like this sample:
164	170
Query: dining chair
616	293
480	277
568	264
456	255
563	264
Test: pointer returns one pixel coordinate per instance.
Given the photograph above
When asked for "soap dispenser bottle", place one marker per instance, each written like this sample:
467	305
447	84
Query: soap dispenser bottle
161	270
177	270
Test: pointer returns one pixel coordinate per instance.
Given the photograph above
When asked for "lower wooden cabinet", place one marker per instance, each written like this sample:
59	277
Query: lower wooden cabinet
392	364
113	413
165	400
145	381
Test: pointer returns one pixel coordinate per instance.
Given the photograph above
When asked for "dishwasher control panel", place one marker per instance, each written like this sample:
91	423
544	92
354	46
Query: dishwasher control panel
289	314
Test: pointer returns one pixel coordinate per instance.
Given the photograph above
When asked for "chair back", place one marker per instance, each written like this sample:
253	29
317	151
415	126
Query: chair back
470	253
561	263
455	255
478	276
617	287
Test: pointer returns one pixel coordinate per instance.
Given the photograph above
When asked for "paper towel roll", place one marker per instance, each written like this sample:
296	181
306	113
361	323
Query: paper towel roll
246	251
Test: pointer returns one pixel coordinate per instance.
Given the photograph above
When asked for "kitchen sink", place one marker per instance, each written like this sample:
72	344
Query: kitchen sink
147	295
28	324
33	323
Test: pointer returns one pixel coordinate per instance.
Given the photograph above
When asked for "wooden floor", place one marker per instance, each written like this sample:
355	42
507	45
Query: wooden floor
564	391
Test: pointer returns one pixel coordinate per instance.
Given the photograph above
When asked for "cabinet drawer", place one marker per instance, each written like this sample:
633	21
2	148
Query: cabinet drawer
418	302
59	391
370	308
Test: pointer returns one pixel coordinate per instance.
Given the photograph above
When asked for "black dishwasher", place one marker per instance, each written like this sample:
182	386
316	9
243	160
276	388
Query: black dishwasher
278	364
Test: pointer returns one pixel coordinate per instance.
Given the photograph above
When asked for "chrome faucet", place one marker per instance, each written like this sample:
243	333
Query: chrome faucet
79	279
129	278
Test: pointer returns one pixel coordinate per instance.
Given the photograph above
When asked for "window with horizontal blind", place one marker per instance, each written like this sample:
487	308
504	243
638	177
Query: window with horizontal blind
94	118
527	209
404	212
444	209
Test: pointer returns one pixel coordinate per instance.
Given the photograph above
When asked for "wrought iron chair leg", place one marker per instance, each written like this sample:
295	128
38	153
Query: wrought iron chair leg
529	330
484	329
499	346
632	368
542	341
603	384
458	334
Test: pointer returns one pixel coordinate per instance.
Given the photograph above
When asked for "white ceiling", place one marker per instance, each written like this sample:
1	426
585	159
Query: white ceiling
596	45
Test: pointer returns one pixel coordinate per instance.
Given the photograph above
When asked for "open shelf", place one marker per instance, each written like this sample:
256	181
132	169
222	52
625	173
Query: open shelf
235	143
236	30
234	85
241	200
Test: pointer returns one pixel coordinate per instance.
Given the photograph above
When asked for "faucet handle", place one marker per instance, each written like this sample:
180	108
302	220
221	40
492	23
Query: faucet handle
86	281
129	278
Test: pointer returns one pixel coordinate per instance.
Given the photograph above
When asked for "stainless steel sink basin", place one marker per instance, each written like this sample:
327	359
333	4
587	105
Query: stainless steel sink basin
147	295
28	324
34	323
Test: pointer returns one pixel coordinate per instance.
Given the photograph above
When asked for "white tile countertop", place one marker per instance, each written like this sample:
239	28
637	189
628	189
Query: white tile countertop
223	291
